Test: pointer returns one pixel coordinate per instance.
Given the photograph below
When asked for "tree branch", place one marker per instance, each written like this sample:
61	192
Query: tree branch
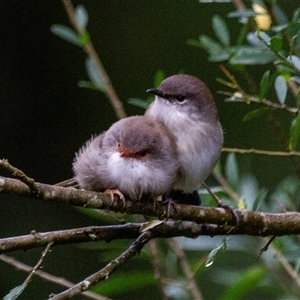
104	273
46	276
251	223
92	54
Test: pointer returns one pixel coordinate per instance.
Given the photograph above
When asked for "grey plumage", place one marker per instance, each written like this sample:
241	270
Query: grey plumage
185	105
136	156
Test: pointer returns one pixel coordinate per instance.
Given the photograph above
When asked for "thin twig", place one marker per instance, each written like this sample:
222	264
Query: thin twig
104	273
20	175
39	263
91	52
226	187
265	247
261	152
46	276
152	245
239	97
286	265
191	283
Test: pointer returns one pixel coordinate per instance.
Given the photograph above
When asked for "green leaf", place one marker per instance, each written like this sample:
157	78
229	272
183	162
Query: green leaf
94	74
264	84
216	1
15	292
247	55
123	283
221	30
195	43
215	50
276	43
231	170
87	85
66	33
85	38
294	133
82	16
159	77
247	282
255	114
280	88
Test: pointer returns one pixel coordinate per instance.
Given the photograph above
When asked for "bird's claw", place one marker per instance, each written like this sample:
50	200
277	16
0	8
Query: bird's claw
112	194
169	202
221	204
232	211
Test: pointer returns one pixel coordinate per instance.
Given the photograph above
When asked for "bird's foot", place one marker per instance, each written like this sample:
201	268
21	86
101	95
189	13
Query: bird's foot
112	194
169	202
221	204
231	209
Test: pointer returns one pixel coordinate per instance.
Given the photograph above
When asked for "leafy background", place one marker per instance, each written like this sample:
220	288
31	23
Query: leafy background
45	117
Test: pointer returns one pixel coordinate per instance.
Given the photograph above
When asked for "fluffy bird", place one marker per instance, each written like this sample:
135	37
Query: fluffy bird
136	156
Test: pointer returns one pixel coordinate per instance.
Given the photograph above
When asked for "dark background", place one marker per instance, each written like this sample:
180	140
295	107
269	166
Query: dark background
45	117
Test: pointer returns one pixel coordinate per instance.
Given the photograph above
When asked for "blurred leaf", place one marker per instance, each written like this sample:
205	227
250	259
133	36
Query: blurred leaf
242	13
215	50
66	33
158	78
87	85
280	86
258	40
15	292
245	283
296	79
242	203
260	198
195	43
294	133
231	170
248	55
279	28
222	246
248	188
149	225
255	113
138	102
295	61
94	74
264	84
216	1
124	283
276	43
263	37
85	38
105	216
82	16
221	30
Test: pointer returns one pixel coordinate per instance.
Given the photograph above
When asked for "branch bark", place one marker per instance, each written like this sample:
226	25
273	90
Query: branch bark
251	223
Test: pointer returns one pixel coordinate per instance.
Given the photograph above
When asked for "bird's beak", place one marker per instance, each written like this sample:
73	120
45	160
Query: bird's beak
155	92
125	153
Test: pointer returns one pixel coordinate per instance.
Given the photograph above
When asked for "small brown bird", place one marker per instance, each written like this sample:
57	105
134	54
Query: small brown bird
136	156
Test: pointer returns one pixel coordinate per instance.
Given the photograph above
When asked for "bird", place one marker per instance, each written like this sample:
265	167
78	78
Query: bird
136	156
185	105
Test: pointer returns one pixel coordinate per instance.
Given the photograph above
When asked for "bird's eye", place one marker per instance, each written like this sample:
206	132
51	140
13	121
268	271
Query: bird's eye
143	153
180	98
